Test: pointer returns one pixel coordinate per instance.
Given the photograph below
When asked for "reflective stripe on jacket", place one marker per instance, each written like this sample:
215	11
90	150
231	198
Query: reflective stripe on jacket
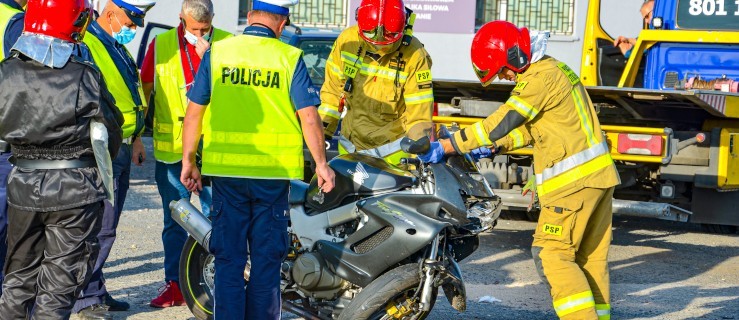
253	132
6	14
570	151
392	95
117	86
169	95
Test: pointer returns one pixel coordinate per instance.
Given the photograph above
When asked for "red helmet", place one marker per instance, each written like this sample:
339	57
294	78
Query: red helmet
500	44
381	22
62	19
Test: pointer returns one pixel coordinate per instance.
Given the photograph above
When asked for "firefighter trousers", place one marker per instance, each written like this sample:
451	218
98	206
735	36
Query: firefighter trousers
570	250
50	259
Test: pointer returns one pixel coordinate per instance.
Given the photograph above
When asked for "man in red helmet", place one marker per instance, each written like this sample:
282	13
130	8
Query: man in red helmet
381	75
62	124
575	174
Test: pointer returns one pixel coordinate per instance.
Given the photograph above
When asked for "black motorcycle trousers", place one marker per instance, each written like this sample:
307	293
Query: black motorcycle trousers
50	259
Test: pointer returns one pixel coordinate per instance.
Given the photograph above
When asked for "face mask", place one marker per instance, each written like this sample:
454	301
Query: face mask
191	38
125	35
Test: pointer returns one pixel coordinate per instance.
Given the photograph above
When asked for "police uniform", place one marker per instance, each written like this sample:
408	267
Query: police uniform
575	177
391	95
252	148
172	78
123	80
11	27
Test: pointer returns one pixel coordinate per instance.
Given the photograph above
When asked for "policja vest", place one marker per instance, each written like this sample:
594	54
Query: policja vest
253	132
6	14
169	95
117	86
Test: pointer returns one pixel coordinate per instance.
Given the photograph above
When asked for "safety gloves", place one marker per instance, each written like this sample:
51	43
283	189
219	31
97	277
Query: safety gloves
481	152
435	153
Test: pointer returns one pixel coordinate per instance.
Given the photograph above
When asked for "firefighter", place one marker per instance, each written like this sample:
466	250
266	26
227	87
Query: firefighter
113	28
173	78
575	175
55	113
381	75
11	26
254	84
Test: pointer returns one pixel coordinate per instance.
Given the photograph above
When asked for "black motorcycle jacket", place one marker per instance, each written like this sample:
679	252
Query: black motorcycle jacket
45	114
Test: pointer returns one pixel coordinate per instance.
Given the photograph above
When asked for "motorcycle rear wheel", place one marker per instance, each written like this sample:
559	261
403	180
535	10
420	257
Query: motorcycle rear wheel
196	279
386	293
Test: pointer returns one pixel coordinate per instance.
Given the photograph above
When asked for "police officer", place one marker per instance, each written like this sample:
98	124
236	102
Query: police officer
113	28
11	26
253	146
381	75
575	175
52	105
173	78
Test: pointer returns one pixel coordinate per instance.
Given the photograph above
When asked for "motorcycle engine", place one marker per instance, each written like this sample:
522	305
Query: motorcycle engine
313	277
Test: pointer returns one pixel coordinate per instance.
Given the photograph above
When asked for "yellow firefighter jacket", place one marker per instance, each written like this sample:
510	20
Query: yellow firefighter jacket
391	95
570	150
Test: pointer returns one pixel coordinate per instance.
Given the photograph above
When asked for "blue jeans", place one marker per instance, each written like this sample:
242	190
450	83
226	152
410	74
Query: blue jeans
167	176
5	168
95	290
250	218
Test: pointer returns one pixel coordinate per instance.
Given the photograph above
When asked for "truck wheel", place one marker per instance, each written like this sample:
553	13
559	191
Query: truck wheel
718	228
197	270
388	297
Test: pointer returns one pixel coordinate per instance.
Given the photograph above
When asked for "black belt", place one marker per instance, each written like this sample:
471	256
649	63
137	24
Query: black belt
53	164
4	146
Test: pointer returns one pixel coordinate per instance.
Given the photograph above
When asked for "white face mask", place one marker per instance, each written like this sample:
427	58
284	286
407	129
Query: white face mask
191	38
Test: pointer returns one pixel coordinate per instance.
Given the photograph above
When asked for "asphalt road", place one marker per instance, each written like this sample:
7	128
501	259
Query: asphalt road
659	269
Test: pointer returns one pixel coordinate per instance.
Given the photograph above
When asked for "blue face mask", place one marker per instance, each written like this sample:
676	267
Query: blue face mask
125	35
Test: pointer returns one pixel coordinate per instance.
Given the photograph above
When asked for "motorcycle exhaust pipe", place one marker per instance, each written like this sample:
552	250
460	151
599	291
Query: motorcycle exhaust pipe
192	220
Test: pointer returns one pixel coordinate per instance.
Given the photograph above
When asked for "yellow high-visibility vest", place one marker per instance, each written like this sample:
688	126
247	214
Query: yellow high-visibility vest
117	86
170	95
6	13
253	132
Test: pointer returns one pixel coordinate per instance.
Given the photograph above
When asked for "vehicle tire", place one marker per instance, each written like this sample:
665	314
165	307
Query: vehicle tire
718	228
197	268
398	284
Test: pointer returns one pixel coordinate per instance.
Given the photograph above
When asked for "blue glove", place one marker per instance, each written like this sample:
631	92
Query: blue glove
481	152
434	155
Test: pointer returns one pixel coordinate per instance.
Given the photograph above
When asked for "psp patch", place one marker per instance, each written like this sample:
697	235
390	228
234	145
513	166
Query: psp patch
552	229
423	76
520	86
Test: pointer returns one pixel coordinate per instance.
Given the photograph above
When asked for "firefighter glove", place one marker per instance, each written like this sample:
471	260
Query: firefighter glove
435	153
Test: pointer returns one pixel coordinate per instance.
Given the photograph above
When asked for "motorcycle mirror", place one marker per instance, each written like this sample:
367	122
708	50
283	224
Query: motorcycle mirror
419	146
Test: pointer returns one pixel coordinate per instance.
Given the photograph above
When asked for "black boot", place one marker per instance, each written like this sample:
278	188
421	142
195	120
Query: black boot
115	305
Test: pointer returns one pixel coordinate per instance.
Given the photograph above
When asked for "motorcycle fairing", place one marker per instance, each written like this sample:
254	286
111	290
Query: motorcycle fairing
398	226
453	285
356	175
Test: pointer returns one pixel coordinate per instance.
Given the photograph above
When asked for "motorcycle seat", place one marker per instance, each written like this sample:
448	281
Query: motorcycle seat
298	190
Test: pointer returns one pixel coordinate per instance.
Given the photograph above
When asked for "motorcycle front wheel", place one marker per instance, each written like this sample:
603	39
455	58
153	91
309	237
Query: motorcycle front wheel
389	297
197	271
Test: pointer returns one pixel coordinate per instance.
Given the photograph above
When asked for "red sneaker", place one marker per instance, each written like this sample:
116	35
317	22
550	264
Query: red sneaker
169	296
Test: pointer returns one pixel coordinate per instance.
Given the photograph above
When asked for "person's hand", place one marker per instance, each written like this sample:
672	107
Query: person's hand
482	152
435	153
190	177
201	47
624	43
325	176
138	155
